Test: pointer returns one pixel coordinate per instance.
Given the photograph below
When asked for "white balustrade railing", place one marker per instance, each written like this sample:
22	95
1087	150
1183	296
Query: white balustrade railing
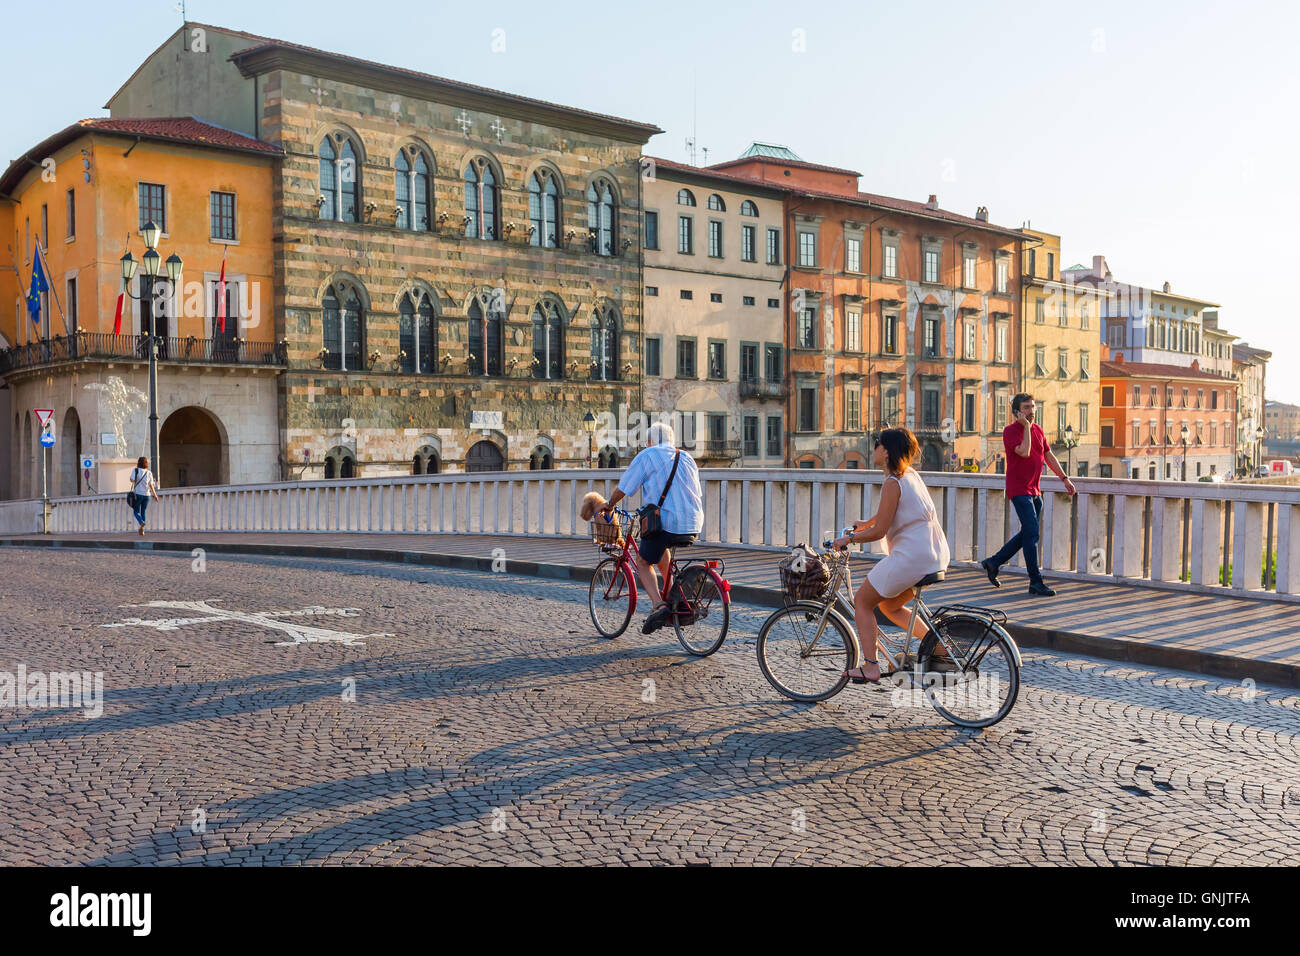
1175	534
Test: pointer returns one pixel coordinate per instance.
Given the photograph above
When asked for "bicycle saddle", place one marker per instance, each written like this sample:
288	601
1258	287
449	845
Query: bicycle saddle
934	578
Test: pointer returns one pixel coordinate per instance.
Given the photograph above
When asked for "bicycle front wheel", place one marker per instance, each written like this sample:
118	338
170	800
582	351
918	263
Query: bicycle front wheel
701	624
610	596
981	687
798	662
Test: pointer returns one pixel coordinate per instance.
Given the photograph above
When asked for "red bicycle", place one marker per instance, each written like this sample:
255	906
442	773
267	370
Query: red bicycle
697	592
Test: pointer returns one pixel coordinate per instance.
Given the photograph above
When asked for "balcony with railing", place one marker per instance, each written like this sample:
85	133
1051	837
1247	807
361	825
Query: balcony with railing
762	390
106	347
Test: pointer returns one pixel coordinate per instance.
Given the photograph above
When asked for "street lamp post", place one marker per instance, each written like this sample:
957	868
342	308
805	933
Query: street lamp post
589	425
153	266
1070	443
1259	451
1184	433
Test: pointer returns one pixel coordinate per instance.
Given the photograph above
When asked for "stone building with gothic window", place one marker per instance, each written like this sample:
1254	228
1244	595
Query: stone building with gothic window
456	269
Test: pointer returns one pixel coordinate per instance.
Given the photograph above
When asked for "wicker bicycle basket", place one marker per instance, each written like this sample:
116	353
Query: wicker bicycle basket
814	582
606	532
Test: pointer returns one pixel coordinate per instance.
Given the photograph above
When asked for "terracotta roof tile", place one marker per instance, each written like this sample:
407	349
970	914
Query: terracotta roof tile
1155	370
180	129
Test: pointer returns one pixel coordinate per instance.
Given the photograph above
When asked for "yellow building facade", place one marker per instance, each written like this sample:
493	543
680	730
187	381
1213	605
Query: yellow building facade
1061	355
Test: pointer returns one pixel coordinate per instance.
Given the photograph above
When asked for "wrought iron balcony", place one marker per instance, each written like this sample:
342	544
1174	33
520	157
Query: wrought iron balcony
762	390
717	448
104	346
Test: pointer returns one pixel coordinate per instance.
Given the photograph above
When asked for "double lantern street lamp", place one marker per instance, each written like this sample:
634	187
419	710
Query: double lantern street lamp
153	267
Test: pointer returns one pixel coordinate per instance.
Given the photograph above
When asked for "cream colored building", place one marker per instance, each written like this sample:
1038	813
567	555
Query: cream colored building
714	329
1061	363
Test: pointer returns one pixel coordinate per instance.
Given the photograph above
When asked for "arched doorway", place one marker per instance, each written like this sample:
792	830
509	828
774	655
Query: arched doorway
69	448
191	449
931	458
484	456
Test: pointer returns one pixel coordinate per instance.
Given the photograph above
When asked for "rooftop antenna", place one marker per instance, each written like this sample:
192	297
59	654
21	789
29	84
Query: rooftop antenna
180	8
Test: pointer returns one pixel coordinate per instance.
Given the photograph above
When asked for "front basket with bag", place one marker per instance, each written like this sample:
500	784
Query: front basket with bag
805	576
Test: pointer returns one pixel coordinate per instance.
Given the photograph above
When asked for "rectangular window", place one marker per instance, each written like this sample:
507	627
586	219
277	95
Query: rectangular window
653	350
1137	434
717	425
72	213
45	226
807	409
1051	265
930	343
685	235
969	422
72	309
652	290
1062	418
1200	398
749	363
751	437
715	296
1085	367
221	208
687	438
970	340
715	239
889	405
747	250
1085	321
1000	353
853	255
891	262
930	408
772	363
717	360
1155	398
652	230
853	408
1108	397
153	205
968	270
1184	398
808	249
686	358
687	294
1002	270
1137	395
773	436
890	334
1214	398
806	330
746	300
1107	436
1083	421
1040	312
853	331
774	303
1001	407
1040	361
931	266
773	246
1062	363
1062	314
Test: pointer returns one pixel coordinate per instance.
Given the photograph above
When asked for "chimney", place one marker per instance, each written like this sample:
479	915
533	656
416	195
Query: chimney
982	214
1099	265
933	202
1119	358
1196	365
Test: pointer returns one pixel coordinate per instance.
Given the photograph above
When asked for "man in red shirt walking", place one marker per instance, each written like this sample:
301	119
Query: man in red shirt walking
1026	452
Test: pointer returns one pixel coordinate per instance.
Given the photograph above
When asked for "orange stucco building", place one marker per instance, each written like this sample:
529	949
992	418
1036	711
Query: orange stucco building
85	193
898	313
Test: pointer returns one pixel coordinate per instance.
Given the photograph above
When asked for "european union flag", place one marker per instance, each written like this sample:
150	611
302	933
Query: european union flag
39	285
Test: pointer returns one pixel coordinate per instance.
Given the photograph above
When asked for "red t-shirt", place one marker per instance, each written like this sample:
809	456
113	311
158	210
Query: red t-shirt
1023	473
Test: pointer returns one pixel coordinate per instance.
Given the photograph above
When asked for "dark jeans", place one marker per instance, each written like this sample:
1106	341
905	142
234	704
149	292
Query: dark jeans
141	506
1029	508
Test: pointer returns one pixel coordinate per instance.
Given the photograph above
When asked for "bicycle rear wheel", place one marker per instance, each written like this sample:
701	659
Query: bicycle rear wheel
610	596
983	691
793	664
703	628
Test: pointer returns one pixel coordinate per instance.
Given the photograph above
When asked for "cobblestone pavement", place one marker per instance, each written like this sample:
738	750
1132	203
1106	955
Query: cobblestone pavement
490	725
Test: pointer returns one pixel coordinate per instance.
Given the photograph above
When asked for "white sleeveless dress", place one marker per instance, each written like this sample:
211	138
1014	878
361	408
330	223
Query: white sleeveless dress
915	540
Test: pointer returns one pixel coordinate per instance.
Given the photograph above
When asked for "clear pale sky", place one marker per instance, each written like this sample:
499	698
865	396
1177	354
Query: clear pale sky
1163	136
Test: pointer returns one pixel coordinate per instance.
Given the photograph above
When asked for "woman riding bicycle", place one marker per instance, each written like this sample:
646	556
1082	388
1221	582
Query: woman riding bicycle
913	536
657	467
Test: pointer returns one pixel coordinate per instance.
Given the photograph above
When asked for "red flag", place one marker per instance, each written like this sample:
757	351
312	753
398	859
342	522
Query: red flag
221	295
117	316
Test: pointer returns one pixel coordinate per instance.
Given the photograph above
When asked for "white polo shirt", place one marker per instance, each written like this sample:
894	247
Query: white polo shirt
683	510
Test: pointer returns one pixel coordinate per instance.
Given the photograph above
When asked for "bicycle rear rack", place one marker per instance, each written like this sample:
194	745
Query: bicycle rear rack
993	615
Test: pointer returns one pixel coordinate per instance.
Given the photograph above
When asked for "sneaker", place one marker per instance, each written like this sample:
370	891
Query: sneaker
991	571
655	620
1041	590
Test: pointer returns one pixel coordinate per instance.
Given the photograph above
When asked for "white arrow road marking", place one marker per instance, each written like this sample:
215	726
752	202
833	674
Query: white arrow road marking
301	633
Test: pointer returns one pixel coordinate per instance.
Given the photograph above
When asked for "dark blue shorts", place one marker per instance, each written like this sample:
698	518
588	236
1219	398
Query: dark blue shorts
652	546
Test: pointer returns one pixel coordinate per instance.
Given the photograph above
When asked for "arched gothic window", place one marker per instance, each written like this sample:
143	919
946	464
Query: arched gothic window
486	327
548	341
482	200
716	203
417	331
602	218
339	179
604	344
685	197
747	208
343	321
413	207
544	209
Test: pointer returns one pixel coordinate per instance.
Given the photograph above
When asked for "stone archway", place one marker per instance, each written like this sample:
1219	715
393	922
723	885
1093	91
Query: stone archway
484	456
192	450
69	462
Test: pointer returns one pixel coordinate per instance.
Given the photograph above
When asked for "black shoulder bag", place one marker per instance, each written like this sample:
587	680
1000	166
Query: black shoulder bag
130	495
651	521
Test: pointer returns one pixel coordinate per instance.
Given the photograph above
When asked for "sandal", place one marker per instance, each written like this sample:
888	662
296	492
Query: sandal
861	675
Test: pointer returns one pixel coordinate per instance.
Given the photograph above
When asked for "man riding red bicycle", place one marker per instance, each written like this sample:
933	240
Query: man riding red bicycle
669	481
